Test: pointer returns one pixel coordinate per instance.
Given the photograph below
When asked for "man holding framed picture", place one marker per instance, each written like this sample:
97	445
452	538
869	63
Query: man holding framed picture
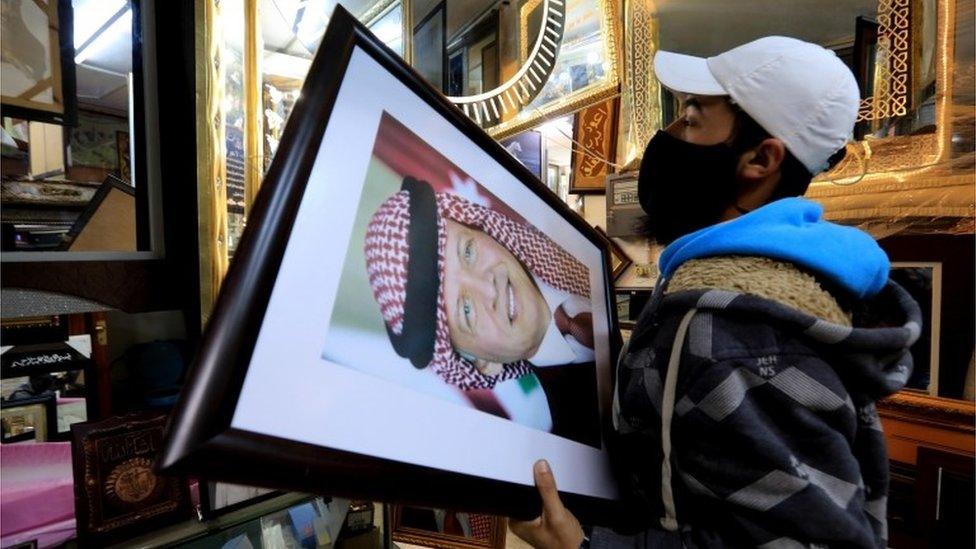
744	405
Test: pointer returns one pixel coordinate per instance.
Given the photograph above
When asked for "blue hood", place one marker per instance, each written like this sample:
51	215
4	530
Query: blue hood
791	229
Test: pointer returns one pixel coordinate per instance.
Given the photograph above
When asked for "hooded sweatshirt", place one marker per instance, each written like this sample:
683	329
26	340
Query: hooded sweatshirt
744	405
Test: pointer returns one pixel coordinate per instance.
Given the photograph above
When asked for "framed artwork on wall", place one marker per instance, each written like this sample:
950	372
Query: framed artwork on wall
393	246
923	280
429	39
529	148
594	147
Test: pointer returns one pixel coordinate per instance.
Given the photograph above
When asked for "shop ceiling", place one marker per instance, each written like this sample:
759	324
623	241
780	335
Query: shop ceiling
103	53
708	27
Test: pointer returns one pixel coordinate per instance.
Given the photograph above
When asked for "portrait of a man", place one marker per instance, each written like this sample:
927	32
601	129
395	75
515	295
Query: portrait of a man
505	297
450	291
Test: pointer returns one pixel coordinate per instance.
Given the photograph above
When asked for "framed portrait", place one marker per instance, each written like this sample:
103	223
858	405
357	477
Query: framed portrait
30	419
530	149
429	46
619	260
218	498
447	529
923	280
411	315
595	137
38	61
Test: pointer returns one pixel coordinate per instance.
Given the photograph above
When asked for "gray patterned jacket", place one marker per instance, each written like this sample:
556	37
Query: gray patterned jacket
767	433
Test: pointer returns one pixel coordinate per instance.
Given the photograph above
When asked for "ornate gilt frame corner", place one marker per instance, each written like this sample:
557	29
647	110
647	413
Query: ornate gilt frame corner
918	407
871	181
585	97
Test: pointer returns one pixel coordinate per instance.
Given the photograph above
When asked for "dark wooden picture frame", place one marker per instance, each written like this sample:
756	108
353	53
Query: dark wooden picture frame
201	440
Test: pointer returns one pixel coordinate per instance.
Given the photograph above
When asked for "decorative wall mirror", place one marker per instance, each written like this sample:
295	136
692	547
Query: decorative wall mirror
510	65
87	124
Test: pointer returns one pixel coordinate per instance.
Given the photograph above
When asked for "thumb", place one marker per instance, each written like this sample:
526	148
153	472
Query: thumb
546	484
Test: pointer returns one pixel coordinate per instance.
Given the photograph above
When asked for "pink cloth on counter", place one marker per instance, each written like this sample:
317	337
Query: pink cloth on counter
36	493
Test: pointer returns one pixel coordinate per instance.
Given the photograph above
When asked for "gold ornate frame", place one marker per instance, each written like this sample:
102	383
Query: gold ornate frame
211	154
902	177
883	184
584	97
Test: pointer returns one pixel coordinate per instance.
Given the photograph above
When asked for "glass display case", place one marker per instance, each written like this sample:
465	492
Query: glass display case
285	521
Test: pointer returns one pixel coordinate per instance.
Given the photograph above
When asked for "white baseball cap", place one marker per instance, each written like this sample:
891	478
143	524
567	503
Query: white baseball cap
801	93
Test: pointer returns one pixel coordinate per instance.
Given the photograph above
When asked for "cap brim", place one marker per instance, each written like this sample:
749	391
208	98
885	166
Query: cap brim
686	73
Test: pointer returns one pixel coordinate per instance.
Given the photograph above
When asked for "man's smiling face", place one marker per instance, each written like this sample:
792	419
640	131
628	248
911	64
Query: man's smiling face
495	312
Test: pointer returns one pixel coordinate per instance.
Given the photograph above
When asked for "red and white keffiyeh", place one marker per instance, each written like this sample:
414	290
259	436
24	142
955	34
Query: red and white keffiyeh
387	253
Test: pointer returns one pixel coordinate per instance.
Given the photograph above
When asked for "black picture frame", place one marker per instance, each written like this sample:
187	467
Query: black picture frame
201	440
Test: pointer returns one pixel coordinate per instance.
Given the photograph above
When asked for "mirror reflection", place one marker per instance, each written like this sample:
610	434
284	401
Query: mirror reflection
70	128
890	47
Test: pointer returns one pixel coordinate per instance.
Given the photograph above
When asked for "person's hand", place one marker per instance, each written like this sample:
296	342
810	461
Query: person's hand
557	528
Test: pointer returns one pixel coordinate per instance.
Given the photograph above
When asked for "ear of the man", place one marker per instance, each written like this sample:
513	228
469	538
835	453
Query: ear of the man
765	160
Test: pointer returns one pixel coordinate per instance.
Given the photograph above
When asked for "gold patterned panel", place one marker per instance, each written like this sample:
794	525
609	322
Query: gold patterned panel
641	102
211	152
891	76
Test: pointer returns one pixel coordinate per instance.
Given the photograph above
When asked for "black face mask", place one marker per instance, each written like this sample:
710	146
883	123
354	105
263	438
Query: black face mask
683	187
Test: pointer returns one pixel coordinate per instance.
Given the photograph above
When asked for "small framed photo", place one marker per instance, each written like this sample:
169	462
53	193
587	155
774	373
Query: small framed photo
30	419
424	318
923	280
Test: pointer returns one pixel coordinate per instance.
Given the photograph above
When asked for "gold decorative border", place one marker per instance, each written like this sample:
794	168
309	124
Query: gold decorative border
641	105
580	98
524	12
891	78
211	153
253	104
